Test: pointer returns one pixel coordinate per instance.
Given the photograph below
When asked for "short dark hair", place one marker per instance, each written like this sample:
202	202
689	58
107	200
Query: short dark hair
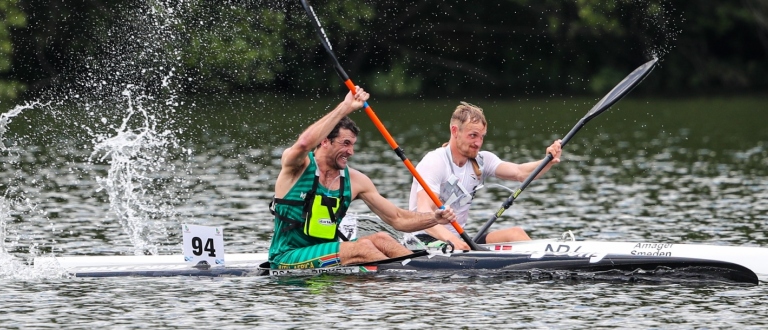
347	123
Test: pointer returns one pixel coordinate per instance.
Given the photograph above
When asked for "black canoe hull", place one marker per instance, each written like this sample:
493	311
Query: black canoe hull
572	265
488	262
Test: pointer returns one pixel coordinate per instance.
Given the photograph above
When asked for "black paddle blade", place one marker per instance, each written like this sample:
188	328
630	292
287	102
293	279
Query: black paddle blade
324	40
316	22
622	89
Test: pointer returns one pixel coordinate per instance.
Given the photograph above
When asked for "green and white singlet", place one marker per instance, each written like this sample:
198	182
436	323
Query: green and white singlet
291	248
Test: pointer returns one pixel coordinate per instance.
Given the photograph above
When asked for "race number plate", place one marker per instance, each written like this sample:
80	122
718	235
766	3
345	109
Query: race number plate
203	243
348	226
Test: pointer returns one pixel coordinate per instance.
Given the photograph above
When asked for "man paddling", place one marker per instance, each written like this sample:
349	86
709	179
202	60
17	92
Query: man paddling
459	168
314	190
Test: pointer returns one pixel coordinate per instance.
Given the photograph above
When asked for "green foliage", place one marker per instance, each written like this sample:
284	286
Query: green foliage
11	17
598	17
395	82
236	47
241	48
604	80
514	48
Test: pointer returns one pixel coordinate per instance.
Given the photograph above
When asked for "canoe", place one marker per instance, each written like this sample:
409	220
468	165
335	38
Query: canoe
754	258
501	260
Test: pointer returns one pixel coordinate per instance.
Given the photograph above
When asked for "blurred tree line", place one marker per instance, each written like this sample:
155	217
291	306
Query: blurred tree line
426	48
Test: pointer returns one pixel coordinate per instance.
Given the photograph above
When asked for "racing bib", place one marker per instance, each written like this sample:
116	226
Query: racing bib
320	221
453	193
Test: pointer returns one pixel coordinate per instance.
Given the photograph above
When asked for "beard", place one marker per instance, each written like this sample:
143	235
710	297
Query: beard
469	152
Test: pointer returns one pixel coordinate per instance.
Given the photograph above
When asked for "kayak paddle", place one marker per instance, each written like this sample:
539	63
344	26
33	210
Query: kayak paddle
618	92
368	110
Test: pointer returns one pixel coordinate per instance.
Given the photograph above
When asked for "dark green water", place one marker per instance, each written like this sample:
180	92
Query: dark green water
670	170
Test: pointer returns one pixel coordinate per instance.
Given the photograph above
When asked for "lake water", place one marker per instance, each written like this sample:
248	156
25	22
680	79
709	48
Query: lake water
95	180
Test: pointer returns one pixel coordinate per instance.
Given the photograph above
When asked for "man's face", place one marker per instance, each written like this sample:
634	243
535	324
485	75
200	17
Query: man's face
469	139
341	148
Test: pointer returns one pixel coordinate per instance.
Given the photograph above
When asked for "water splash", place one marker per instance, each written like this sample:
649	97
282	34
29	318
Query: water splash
140	170
113	129
6	118
135	132
13	202
12	267
660	22
115	125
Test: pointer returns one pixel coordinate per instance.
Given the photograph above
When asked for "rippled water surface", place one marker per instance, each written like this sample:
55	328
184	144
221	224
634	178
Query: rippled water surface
74	183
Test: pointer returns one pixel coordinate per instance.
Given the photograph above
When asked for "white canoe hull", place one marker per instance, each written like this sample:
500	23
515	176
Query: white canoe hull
754	258
96	264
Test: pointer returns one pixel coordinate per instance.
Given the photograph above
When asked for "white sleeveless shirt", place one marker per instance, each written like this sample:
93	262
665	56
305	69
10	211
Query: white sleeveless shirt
455	185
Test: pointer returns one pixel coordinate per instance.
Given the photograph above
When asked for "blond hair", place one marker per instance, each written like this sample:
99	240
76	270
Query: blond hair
467	113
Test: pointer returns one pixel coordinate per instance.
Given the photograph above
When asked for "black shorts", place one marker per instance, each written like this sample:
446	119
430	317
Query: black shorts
426	239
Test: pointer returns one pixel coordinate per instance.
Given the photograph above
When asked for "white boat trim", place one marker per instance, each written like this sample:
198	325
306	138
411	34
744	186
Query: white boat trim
754	258
89	264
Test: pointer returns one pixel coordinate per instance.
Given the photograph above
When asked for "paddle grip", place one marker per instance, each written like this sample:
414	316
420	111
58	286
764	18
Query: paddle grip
351	86
400	153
